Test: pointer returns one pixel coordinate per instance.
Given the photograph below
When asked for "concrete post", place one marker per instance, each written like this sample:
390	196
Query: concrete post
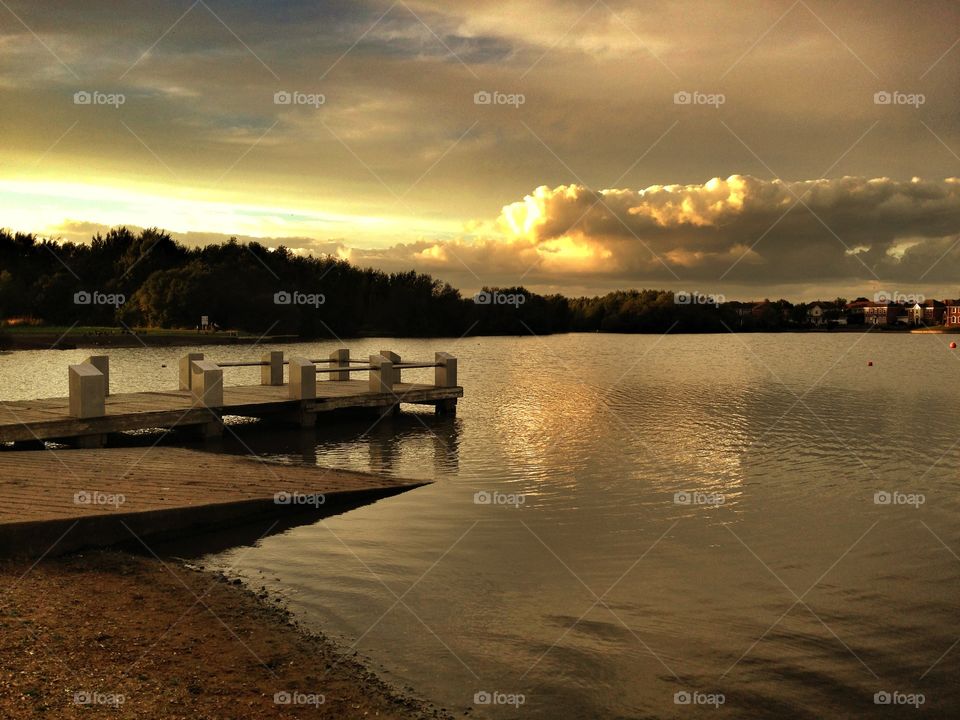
87	392
102	363
272	374
445	375
303	379
206	383
395	359
185	370
446	407
381	374
341	359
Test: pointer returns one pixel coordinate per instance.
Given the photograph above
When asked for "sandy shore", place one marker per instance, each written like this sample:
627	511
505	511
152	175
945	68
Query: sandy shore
140	638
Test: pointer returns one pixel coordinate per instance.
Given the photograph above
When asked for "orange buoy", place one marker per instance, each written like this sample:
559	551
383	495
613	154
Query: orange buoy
869	363
953	346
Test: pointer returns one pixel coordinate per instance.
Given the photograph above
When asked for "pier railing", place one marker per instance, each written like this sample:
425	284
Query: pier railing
89	381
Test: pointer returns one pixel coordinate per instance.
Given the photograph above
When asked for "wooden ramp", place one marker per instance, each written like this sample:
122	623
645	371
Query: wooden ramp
50	419
57	501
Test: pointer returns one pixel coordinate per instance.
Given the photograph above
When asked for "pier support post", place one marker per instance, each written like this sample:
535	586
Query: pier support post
206	384
272	374
210	430
89	442
87	392
384	412
446	407
395	359
341	359
29	445
445	374
102	363
186	372
381	374
303	387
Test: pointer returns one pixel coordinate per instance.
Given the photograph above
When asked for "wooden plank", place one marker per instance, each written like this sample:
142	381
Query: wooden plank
163	489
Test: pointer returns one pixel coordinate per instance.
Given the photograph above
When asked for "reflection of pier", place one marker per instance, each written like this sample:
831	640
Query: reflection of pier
91	412
387	441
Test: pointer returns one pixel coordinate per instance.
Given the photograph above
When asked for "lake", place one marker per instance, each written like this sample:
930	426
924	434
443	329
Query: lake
632	526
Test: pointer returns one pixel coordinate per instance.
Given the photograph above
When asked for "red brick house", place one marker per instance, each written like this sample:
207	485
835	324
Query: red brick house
877	313
951	314
929	312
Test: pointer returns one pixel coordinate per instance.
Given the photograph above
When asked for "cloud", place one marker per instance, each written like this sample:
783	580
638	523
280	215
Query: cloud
741	235
740	230
400	157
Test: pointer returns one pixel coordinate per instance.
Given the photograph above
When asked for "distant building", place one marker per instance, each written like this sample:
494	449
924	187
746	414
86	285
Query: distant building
816	315
821	313
951	315
929	312
855	312
878	313
741	309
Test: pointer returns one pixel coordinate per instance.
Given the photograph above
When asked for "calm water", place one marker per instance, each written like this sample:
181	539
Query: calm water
593	593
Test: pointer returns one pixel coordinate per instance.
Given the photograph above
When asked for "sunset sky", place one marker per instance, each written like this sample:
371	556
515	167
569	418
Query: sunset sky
731	147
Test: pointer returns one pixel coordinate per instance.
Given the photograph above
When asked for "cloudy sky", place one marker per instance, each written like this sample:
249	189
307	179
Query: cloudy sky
754	149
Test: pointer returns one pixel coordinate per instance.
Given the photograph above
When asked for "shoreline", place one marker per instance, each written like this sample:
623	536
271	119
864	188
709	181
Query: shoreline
16	341
154	638
65	341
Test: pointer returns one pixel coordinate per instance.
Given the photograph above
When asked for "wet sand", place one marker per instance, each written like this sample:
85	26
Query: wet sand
126	636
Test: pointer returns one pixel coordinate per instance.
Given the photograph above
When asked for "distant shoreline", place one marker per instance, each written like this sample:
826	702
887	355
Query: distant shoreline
40	339
57	339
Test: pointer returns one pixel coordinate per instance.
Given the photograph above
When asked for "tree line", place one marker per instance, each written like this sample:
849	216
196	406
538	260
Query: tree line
147	279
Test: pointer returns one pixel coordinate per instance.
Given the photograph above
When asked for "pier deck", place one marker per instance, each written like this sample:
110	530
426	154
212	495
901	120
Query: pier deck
50	419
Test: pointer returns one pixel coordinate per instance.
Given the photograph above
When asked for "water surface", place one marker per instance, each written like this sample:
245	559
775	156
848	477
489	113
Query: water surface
593	592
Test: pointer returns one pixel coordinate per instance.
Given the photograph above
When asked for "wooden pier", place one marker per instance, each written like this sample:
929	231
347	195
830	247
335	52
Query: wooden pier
58	501
291	390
